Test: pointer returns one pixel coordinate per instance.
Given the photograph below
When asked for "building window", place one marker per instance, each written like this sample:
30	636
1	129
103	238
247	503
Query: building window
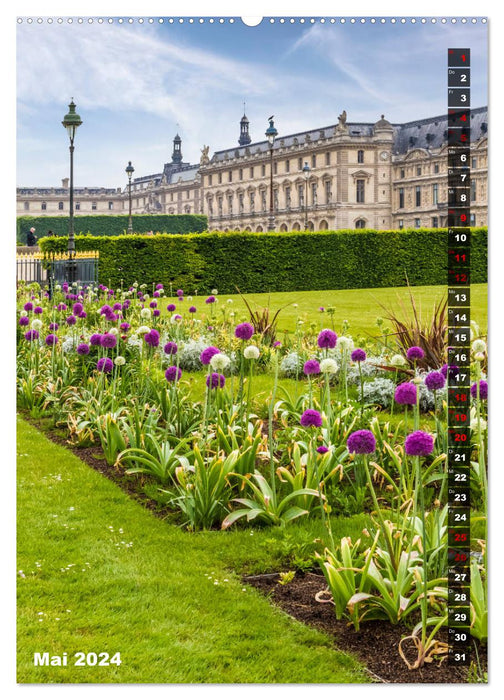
252	172
209	180
436	167
418	196
27	206
401	197
360	223
360	156
275	165
288	197
240	203
402	172
360	190
43	206
77	206
219	204
328	159
263	200
417	223
110	205
473	190
434	193
60	206
171	196
327	191
287	166
474	163
275	199
263	170
435	222
472	220
314	193
230	176
419	170
230	203
240	174
220	178
301	195
94	206
401	223
300	163
314	161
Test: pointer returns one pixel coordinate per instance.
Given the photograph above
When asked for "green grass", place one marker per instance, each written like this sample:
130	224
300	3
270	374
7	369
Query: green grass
360	307
157	601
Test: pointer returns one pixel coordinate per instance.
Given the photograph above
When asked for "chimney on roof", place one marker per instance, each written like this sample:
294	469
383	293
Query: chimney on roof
64	182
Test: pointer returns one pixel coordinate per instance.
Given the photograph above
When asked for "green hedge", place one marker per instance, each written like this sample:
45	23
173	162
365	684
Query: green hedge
275	262
110	225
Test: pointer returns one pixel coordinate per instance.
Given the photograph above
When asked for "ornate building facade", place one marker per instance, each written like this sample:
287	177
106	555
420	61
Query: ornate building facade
347	175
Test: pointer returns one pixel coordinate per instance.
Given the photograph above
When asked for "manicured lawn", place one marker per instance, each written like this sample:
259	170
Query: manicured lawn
99	573
360	307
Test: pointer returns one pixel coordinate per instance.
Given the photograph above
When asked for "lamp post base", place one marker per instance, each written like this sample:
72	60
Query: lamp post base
71	270
271	222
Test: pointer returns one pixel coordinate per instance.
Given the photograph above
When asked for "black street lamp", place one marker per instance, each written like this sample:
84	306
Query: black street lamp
271	134
71	121
129	172
306	173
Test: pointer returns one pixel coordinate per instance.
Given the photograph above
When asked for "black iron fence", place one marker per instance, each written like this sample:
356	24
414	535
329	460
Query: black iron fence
50	269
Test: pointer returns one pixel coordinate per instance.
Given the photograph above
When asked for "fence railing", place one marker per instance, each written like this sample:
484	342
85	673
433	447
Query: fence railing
50	269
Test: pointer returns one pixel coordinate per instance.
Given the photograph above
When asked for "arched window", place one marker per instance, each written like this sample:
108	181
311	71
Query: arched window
259	229
323	226
60	206
27	206
283	227
296	226
309	226
360	223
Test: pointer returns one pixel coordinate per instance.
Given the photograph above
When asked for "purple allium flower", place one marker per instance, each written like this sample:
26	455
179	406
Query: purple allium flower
362	442
483	390
311	419
208	353
71	320
83	349
192	309
152	338
406	394
434	381
180	292
64	286
215	380
105	309
125	326
181	298
108	340
78	308
117	306
173	373
38	310
156	313
24	321
171	307
311	367
32	335
277	344
321	309
153	304
170	348
83	314
327	338
453	370
419	444
156	295
53	326
105	364
126	304
51	339
61	307
210	299
177	317
95	339
415	353
358	355
28	306
322	450
159	286
244	331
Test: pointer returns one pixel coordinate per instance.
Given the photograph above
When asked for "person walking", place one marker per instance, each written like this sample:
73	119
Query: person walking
31	238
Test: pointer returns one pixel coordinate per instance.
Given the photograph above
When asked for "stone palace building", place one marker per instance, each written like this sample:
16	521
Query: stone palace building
345	175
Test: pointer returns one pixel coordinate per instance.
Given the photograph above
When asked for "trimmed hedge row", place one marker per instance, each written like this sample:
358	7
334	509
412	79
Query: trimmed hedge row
279	262
113	225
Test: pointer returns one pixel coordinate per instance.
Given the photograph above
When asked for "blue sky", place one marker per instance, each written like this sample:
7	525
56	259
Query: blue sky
133	84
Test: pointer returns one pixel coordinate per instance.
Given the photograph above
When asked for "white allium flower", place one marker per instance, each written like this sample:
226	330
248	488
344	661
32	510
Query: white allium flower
344	343
479	346
398	361
417	380
146	297
220	361
232	314
479	356
474	422
24	313
229	301
119	361
143	329
113	331
295	305
58	287
328	366
36	324
143	286
251	352
189	298
214	291
145	313
135	284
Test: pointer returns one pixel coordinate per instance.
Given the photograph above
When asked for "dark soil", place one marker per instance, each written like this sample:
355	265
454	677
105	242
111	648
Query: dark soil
376	644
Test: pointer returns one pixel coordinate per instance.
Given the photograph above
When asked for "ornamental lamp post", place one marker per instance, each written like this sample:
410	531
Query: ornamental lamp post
271	134
71	121
129	172
306	173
